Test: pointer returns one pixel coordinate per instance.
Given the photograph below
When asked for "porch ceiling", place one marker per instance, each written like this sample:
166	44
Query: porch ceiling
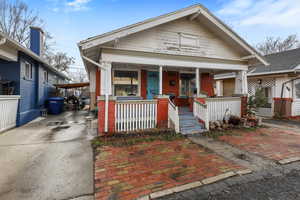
170	61
129	66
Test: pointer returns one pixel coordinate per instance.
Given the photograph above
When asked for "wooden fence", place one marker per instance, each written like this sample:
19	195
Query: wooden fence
131	115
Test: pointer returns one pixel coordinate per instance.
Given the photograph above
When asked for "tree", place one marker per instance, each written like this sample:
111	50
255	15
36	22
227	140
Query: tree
60	60
256	101
78	75
15	21
275	45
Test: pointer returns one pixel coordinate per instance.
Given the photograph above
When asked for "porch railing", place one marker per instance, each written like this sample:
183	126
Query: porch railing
201	112
173	116
8	111
215	108
218	106
134	115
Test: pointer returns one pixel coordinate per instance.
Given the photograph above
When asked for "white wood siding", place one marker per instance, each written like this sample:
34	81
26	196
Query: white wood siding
165	39
8	111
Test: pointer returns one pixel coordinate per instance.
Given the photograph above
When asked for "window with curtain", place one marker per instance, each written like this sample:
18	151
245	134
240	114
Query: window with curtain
126	83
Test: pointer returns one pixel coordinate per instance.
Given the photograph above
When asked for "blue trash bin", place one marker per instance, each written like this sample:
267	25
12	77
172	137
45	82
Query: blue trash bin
55	105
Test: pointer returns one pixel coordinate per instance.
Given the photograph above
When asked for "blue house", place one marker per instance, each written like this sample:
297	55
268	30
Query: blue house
26	75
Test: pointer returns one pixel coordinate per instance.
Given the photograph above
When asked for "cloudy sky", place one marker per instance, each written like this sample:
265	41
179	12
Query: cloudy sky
70	21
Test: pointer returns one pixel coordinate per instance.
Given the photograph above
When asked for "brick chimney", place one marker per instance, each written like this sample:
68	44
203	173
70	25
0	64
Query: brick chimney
37	40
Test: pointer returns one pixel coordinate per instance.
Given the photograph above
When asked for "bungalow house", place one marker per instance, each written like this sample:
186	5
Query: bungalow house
280	82
146	75
26	80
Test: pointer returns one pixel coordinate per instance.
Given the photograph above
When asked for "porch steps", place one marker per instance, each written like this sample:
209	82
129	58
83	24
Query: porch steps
188	123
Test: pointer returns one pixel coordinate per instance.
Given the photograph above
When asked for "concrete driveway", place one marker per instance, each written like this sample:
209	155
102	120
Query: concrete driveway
44	160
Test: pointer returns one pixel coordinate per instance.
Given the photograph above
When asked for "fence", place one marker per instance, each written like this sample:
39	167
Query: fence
8	111
215	108
135	115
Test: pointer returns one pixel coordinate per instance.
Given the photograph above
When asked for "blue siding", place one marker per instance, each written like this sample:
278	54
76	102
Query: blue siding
34	93
28	106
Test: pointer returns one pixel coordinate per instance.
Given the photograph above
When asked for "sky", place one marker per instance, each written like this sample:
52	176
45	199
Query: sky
70	21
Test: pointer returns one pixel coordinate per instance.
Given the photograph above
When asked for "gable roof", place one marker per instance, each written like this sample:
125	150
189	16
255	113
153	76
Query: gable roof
30	53
282	62
194	10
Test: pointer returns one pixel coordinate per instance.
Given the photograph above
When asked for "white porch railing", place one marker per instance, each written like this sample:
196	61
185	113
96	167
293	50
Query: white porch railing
201	112
173	116
215	108
218	106
8	111
131	115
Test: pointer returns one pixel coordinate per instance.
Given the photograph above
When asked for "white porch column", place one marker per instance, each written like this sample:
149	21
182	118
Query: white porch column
219	87
241	83
106	89
106	84
198	86
160	80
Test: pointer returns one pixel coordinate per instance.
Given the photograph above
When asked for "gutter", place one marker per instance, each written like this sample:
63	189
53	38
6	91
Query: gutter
106	91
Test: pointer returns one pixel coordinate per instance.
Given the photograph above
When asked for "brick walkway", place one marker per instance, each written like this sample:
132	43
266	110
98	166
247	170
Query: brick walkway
272	143
134	171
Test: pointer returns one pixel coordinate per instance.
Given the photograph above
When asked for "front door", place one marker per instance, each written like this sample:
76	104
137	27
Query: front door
152	84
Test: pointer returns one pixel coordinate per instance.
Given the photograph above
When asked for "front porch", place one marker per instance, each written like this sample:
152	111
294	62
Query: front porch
138	97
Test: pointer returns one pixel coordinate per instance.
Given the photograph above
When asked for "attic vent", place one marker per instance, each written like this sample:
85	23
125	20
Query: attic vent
187	40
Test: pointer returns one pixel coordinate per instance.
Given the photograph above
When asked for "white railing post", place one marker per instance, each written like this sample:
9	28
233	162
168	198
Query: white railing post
201	112
173	116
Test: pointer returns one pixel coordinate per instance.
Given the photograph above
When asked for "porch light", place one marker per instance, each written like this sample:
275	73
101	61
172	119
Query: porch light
259	81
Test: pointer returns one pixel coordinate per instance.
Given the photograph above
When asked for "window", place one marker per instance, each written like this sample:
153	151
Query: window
46	76
188	85
28	70
126	83
297	89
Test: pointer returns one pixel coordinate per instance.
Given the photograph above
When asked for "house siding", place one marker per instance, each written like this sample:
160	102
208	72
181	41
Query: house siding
28	105
165	39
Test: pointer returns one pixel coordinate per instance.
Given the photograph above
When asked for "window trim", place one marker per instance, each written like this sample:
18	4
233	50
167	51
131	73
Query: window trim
46	80
180	83
25	64
139	80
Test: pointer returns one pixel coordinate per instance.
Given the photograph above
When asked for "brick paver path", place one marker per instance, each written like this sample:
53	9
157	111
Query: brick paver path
272	143
134	171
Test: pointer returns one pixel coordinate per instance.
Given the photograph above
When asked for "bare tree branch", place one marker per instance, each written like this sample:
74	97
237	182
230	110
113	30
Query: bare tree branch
15	21
275	45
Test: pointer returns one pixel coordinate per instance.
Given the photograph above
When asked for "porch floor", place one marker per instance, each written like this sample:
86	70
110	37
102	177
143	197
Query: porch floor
188	123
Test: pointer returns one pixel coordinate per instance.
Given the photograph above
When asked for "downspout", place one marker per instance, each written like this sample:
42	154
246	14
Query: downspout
106	91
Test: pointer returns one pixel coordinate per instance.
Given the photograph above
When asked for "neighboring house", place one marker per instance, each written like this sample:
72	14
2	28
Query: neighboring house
134	70
25	74
280	83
